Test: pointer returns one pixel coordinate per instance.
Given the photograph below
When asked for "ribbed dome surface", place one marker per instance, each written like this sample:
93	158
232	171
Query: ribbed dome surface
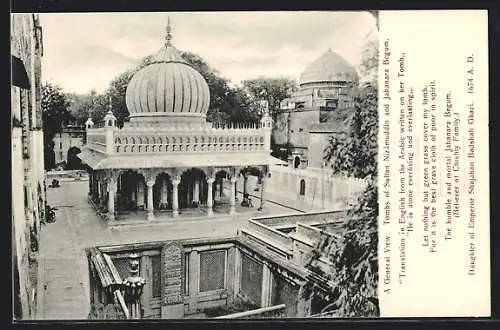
329	67
168	86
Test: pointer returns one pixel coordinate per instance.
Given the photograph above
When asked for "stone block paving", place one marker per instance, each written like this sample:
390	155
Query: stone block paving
64	270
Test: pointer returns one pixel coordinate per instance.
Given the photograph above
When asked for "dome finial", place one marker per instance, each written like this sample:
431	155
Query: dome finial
168	37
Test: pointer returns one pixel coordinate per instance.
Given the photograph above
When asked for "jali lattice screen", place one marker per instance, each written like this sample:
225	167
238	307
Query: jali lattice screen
212	270
251	279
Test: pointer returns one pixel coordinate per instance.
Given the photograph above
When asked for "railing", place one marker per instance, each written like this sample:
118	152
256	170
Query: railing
218	141
145	141
322	188
284	240
121	302
305	218
262	312
96	139
308	232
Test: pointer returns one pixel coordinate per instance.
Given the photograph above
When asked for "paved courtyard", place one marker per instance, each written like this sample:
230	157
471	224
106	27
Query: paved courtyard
63	270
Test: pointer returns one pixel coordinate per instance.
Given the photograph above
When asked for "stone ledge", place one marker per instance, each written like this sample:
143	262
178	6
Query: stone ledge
171	221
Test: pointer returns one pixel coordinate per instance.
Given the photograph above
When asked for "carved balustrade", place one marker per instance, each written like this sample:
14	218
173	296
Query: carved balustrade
215	141
96	139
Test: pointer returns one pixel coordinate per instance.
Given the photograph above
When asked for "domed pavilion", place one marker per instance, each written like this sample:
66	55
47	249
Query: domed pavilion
318	109
326	82
167	158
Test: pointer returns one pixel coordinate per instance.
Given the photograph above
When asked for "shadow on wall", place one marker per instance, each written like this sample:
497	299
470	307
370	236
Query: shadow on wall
73	162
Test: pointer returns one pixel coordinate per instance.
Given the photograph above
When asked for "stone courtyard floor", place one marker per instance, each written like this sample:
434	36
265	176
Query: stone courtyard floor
63	288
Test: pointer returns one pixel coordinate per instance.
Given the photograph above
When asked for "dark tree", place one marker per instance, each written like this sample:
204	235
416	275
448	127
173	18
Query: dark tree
227	104
353	255
274	90
55	112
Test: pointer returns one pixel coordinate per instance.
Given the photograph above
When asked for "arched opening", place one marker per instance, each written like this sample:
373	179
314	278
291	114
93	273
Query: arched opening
73	162
162	192
256	172
219	186
192	188
302	187
130	197
296	162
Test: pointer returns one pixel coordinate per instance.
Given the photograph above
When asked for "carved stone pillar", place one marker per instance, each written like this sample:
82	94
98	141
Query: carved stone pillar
216	193
262	193
150	184
193	276
111	187
94	186
175	197
245	184
96	189
103	194
232	196
267	278
133	286
210	202
196	192
90	183
236	191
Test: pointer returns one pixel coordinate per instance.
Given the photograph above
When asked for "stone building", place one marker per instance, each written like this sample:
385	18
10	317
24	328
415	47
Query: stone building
261	270
168	162
305	122
28	177
68	143
168	159
317	110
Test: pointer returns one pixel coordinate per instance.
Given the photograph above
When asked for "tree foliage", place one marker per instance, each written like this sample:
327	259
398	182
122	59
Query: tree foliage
274	90
353	255
79	107
100	311
227	104
55	111
55	108
356	154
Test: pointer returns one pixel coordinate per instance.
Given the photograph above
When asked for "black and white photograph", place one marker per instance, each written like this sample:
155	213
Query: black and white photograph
195	165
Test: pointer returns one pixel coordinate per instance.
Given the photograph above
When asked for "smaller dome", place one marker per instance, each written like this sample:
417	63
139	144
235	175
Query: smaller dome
329	67
168	87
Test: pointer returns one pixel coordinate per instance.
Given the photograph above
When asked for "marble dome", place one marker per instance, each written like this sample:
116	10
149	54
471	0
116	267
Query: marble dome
328	68
167	87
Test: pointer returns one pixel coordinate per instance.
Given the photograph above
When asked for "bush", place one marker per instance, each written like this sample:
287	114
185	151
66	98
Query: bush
100	311
238	306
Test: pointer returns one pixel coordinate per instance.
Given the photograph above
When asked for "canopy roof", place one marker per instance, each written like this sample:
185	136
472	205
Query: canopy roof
97	160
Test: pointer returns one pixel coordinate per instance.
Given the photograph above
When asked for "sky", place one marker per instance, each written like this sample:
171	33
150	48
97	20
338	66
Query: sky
85	51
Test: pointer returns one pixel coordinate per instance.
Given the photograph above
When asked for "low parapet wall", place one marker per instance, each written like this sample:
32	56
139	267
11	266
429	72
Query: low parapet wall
70	175
287	220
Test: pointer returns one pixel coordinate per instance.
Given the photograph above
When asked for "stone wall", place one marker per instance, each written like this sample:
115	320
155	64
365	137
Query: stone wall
293	127
323	190
304	218
251	279
249	275
28	178
280	129
64	141
316	150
